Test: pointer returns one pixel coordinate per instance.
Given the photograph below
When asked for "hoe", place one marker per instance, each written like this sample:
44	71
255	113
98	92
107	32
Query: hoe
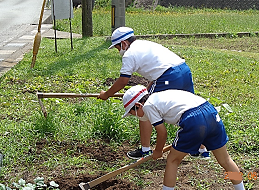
87	186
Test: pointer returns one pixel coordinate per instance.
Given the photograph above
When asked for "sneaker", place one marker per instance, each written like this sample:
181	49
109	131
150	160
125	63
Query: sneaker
195	154
205	155
137	154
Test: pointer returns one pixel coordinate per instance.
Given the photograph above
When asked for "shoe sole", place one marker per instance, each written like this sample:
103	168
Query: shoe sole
135	158
200	157
205	158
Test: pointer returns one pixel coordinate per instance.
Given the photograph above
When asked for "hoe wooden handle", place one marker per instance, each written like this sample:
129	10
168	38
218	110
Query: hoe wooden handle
70	95
86	186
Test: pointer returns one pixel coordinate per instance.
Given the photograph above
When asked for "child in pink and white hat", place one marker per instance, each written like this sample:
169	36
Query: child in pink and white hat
199	123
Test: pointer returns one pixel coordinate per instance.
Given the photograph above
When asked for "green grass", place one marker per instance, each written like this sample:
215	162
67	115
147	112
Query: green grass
170	21
221	75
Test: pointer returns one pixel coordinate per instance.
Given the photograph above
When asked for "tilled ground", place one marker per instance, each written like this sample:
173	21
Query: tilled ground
193	173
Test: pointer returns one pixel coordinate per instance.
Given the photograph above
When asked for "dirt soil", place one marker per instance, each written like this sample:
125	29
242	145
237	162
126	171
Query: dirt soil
193	172
134	80
94	151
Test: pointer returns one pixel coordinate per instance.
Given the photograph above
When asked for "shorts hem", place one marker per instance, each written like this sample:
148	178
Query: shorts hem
220	146
193	152
180	150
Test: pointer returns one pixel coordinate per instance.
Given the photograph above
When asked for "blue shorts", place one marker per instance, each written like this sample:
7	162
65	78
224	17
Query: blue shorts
179	77
200	125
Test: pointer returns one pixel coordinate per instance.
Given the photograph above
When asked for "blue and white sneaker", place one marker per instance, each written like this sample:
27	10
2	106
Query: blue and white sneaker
205	155
138	153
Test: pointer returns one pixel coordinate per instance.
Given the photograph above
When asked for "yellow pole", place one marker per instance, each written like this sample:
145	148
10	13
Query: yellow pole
37	38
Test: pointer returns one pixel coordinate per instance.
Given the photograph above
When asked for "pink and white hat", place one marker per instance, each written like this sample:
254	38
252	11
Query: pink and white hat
120	34
131	96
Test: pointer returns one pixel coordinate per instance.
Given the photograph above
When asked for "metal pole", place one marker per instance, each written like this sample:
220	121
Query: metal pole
55	32
71	37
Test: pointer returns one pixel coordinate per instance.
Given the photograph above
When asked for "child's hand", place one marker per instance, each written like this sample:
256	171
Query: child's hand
103	95
157	154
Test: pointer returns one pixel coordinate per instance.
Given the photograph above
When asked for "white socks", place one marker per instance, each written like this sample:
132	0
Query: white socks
201	150
239	186
167	188
145	149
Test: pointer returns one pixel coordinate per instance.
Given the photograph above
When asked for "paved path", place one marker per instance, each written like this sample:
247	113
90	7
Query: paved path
13	46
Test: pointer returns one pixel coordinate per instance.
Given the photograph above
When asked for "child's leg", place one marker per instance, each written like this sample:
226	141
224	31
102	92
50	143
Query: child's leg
173	161
202	146
145	128
227	163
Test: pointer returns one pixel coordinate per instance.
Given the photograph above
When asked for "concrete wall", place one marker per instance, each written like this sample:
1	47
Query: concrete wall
221	4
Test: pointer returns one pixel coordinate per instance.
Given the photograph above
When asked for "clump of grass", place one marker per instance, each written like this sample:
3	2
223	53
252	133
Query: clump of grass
43	125
109	125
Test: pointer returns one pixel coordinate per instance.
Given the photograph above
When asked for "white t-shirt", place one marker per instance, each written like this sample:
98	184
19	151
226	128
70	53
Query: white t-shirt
149	59
169	105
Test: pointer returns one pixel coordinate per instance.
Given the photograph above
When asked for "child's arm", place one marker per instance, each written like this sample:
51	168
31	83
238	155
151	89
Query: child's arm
149	85
119	84
160	140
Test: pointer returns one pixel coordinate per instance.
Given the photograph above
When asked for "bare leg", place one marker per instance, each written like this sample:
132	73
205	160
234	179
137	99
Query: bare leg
145	136
173	161
226	162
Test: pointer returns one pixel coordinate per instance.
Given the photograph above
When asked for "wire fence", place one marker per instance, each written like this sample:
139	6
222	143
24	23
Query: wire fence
218	4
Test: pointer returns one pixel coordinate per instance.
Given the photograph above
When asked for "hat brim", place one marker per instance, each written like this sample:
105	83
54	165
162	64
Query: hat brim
135	97
112	46
126	114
